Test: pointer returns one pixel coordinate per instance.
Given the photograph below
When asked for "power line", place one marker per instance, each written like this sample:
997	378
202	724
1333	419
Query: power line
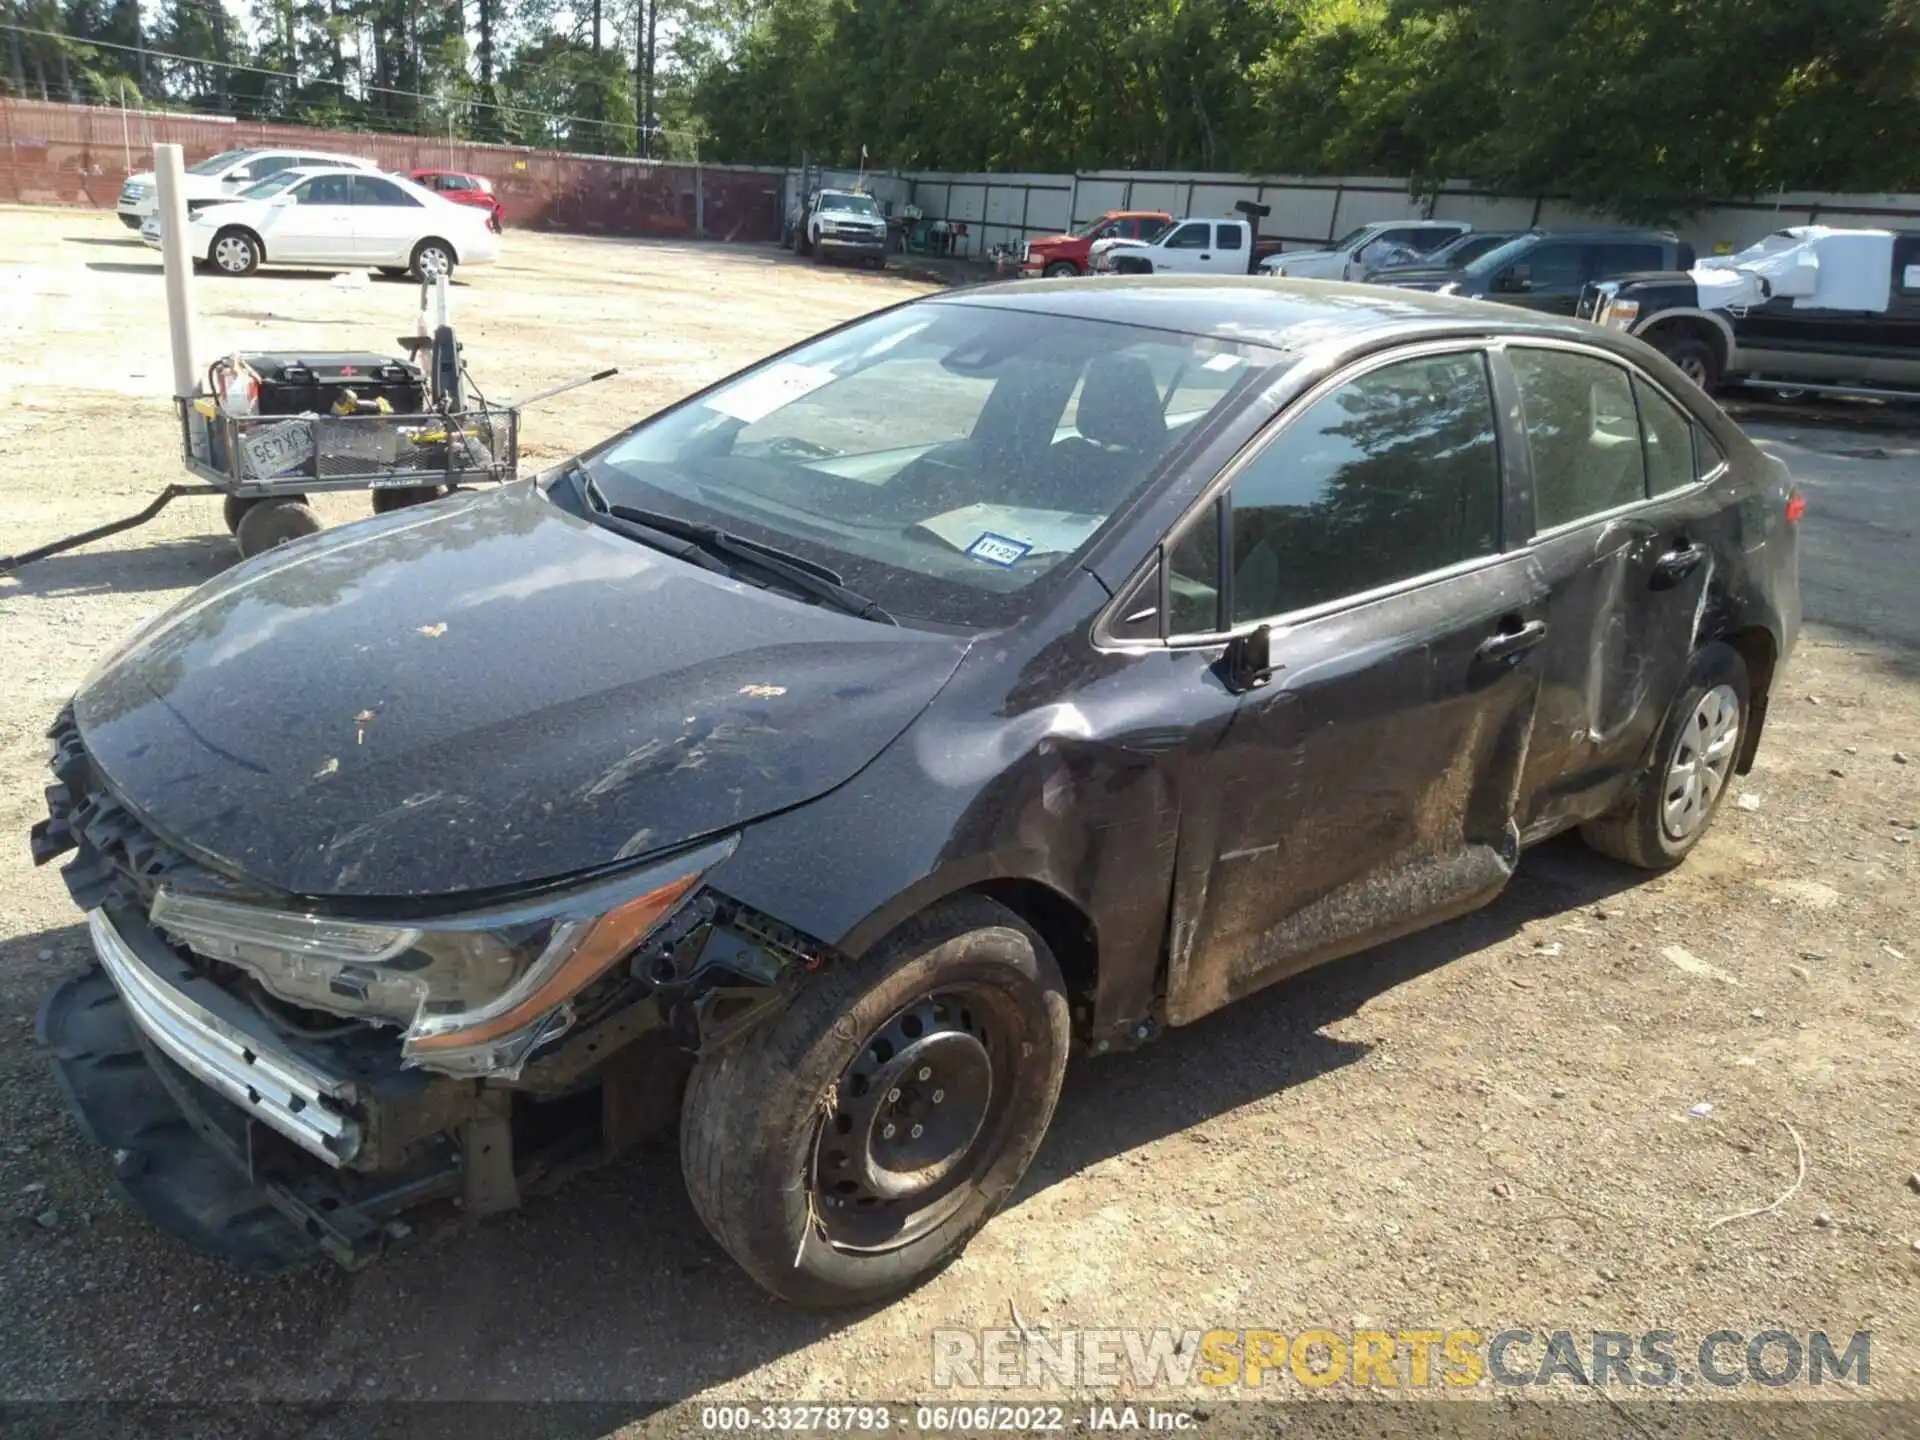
293	75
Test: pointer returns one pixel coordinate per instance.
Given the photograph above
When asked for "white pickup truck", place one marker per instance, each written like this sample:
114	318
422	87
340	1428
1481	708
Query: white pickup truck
1361	249
1186	247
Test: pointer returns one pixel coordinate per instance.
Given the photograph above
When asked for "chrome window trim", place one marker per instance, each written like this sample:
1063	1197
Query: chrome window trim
1105	641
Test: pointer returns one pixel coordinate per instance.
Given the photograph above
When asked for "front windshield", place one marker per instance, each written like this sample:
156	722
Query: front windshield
942	457
1352	237
272	185
1500	256
856	204
214	164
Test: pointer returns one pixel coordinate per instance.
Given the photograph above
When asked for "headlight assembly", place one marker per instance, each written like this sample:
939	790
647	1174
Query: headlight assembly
476	993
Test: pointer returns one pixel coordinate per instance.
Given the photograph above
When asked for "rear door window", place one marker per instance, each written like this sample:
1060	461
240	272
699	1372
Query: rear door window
1583	434
1668	435
1227	237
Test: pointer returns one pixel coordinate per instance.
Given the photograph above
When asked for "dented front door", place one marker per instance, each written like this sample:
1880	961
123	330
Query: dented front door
1366	791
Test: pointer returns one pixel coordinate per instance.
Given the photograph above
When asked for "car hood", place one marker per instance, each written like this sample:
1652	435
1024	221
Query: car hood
485	693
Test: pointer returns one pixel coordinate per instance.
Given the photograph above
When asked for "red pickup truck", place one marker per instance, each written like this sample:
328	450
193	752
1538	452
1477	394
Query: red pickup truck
1055	255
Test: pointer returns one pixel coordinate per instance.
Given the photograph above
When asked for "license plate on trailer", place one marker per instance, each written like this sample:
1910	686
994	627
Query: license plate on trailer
276	449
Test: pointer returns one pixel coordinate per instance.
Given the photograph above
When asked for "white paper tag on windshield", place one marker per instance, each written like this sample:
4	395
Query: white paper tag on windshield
1221	362
758	396
1043	532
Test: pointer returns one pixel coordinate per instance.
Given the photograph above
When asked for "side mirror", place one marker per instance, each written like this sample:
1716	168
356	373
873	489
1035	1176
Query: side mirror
1248	663
285	197
1516	280
241	176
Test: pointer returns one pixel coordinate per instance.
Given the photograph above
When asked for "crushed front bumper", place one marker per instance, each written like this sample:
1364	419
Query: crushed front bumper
225	1136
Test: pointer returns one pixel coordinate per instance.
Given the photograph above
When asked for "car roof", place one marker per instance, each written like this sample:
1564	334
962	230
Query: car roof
1614	233
1281	314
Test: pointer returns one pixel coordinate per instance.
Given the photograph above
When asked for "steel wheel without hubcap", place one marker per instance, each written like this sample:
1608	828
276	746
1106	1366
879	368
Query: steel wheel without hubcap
912	1121
1703	755
1695	369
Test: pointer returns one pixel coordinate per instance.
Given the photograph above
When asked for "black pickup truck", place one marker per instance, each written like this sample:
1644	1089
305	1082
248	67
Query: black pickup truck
1807	310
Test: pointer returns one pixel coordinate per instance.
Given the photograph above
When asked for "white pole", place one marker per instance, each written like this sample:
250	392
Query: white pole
168	171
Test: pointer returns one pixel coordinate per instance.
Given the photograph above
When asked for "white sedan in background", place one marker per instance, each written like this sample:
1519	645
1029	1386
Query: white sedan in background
339	218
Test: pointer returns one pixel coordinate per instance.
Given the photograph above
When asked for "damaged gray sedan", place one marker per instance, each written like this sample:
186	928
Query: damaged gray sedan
816	762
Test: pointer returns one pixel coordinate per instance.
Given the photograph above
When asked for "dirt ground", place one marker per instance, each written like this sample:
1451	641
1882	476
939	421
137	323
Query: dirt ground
1485	1125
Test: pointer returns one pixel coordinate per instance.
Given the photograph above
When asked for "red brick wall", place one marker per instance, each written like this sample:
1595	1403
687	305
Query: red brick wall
79	155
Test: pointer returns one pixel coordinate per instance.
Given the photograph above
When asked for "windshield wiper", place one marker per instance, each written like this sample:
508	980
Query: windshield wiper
804	575
713	548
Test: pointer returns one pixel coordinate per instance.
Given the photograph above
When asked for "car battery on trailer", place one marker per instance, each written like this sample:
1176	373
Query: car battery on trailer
302	383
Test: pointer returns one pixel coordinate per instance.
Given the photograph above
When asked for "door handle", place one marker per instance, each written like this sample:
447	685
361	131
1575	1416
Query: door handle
1674	566
1505	644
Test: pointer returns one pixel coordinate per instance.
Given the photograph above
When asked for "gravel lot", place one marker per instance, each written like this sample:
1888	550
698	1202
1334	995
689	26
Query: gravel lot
1484	1125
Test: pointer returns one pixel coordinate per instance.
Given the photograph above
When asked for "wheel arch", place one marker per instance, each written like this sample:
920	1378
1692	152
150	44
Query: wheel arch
1065	923
1760	652
434	238
1694	324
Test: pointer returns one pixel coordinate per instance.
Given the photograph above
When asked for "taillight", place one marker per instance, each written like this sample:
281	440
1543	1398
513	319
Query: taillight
1796	507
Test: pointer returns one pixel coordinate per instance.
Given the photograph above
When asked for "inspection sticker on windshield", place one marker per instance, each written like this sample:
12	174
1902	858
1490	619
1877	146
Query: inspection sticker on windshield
1221	362
758	396
998	550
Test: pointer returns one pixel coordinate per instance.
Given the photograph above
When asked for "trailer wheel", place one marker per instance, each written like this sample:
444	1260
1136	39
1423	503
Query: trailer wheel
269	524
399	497
235	506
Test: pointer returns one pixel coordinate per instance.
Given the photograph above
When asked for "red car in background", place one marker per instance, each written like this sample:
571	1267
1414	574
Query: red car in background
465	189
1053	255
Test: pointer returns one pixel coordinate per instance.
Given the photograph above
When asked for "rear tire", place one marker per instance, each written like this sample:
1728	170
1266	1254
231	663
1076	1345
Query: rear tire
1693	755
269	524
965	996
432	257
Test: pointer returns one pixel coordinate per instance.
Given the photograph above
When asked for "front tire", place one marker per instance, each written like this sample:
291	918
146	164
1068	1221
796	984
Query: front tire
1665	812
432	258
1061	270
235	252
853	1146
1696	359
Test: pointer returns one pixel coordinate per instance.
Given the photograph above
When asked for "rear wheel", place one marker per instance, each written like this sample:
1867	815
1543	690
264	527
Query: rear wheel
269	524
432	258
235	252
853	1146
1668	808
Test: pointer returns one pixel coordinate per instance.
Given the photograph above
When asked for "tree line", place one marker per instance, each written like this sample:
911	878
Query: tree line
595	76
1642	107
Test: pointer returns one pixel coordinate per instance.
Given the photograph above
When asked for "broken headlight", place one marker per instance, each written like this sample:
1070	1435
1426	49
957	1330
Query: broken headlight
476	992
